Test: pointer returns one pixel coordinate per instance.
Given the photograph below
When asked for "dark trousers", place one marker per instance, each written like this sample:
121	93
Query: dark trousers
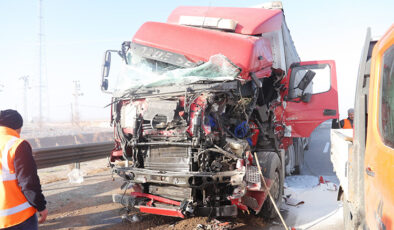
29	224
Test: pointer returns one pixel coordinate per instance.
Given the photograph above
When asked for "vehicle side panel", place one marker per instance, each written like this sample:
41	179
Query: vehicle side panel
379	158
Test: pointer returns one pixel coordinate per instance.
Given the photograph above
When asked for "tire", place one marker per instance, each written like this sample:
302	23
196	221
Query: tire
272	169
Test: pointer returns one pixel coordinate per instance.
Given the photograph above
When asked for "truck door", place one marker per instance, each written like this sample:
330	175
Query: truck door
311	97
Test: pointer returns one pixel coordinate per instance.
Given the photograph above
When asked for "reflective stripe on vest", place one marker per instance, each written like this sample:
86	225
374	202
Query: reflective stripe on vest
14	210
5	171
7	177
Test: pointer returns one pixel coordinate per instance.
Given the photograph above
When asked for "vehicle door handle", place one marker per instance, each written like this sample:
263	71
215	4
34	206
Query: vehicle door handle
329	112
369	171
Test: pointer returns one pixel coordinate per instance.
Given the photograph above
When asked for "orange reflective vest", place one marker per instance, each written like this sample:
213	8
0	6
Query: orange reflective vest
14	208
347	124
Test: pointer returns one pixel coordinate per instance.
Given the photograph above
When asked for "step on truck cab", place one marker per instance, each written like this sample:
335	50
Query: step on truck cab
198	95
364	159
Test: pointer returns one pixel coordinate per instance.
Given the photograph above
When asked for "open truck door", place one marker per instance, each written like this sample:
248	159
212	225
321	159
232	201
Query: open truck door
310	98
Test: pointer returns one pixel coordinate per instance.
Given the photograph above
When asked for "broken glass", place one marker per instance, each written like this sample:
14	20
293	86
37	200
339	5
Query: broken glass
146	73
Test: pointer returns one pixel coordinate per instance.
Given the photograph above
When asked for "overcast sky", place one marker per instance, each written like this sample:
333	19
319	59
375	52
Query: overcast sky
77	32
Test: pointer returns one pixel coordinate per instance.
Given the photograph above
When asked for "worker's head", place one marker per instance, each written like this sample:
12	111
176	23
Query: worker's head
350	113
11	119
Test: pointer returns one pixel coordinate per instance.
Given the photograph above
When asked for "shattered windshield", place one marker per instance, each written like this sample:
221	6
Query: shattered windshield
146	73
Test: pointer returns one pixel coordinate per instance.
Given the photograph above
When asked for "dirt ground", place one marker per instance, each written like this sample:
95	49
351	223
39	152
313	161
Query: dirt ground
89	206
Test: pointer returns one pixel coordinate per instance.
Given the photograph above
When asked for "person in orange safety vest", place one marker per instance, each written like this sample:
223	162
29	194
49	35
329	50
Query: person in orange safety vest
20	190
348	122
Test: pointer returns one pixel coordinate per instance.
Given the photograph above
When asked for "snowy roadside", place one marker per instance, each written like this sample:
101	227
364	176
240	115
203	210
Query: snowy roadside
320	209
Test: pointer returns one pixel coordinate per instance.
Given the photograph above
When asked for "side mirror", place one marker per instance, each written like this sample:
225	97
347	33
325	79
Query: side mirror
105	72
104	85
306	97
308	77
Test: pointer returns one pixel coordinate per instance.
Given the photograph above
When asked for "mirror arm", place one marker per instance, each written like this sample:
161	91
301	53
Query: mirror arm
125	46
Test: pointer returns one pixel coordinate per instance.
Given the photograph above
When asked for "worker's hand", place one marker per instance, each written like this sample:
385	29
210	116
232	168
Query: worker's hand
43	216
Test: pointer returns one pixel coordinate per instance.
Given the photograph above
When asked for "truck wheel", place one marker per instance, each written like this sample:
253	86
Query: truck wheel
272	169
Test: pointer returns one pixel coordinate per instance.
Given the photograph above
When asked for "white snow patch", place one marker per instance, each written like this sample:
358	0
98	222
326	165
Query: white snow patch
297	182
320	210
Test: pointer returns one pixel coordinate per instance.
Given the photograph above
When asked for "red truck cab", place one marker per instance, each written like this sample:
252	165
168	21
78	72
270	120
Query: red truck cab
198	95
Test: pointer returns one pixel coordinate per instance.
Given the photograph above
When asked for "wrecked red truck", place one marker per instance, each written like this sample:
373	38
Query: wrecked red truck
198	95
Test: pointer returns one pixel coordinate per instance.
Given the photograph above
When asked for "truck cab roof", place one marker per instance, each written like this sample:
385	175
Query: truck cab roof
238	42
250	21
250	53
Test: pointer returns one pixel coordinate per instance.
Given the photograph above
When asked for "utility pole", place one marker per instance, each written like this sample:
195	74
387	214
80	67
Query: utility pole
26	87
43	97
76	93
40	63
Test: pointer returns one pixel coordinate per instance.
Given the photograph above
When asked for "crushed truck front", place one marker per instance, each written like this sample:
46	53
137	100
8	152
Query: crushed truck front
192	104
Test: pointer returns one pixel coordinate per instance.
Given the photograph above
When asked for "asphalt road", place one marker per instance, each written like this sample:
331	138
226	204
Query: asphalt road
317	158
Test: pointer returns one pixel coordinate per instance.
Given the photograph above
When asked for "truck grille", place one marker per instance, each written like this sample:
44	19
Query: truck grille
168	158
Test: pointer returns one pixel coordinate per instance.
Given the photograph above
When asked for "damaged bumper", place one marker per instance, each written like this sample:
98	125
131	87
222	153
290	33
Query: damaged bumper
171	207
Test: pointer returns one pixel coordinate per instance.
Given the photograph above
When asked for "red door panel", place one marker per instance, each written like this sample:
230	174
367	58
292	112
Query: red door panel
300	117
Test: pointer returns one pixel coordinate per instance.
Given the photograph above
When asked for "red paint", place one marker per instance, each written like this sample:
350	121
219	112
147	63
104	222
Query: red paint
260	196
199	44
249	156
264	72
117	153
198	104
321	180
255	132
238	203
251	21
156	198
162	211
286	142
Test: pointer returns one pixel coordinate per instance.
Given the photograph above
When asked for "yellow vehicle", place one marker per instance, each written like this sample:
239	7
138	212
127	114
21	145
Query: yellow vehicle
366	171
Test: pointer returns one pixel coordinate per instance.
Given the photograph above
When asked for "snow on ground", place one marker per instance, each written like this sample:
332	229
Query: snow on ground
320	210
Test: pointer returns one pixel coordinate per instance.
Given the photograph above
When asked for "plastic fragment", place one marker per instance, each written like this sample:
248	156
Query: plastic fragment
75	176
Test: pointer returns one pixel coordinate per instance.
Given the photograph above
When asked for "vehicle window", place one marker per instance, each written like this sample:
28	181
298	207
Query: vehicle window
387	98
321	82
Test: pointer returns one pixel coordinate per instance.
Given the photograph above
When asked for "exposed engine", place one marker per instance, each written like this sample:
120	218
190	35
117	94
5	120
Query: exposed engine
194	148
